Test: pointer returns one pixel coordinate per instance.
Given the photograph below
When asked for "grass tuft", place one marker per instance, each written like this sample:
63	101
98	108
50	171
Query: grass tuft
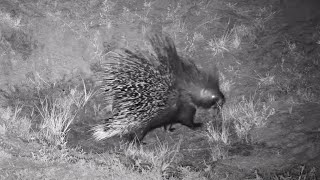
12	123
58	114
247	114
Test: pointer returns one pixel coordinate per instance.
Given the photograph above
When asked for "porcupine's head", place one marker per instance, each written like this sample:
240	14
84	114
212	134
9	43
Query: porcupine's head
202	85
138	89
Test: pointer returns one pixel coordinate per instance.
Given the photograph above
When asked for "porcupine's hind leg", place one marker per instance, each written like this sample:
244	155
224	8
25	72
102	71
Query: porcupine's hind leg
136	137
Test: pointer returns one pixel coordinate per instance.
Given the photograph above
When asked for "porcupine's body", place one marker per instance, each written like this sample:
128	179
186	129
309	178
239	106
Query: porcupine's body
148	93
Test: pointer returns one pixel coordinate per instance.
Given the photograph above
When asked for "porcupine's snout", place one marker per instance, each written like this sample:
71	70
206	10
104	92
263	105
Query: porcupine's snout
211	98
219	101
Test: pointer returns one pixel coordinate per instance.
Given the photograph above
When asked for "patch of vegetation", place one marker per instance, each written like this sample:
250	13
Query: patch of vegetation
44	111
261	74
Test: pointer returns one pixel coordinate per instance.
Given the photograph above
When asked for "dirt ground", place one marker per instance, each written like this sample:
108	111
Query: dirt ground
290	139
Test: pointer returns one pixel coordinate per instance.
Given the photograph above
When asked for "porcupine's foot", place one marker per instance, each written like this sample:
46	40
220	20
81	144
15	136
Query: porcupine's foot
196	125
131	138
193	125
169	128
136	137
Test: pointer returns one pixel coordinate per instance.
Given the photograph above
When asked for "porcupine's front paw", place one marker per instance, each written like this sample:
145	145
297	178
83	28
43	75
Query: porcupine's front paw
197	125
169	128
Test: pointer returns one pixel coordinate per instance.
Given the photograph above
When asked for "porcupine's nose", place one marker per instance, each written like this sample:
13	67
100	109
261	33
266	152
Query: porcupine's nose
218	100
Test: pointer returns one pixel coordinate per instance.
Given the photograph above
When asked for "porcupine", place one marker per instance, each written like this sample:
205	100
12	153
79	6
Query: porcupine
151	92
